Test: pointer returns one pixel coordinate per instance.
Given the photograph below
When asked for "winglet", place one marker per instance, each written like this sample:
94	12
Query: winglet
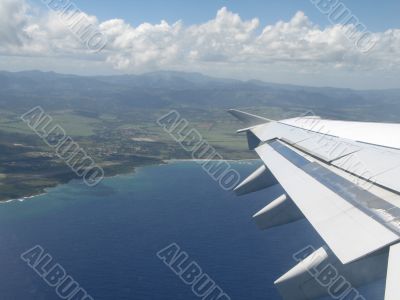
248	119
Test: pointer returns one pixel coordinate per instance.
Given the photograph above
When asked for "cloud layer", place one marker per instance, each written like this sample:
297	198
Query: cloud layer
226	44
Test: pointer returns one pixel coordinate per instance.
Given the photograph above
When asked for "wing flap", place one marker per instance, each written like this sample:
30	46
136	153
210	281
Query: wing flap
350	232
275	130
323	146
383	134
327	148
376	164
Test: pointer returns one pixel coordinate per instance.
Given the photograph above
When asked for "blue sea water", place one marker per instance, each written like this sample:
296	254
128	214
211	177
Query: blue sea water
107	237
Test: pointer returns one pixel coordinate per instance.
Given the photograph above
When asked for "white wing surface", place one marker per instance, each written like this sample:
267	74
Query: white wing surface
344	177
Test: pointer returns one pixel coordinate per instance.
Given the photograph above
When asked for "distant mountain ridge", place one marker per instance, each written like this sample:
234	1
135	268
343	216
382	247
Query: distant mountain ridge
159	79
162	89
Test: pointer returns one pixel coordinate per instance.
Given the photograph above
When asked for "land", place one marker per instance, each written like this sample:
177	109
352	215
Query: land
117	143
114	119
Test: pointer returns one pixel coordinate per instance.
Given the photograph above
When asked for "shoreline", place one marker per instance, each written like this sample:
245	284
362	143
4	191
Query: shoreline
163	162
23	198
196	160
44	191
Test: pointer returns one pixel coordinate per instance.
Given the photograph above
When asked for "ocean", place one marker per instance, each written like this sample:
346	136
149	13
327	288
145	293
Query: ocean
107	237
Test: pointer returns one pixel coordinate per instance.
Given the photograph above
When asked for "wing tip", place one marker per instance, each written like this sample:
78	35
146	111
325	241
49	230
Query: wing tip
248	118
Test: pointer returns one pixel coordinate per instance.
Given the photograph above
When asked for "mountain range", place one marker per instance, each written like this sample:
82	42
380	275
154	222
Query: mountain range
170	89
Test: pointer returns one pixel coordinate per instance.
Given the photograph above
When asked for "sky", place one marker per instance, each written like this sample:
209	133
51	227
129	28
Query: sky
353	43
377	17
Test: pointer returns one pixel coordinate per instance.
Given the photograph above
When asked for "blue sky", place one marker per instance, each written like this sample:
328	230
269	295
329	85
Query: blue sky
377	15
285	41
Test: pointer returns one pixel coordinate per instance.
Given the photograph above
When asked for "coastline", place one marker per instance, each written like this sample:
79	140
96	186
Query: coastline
45	189
23	198
201	160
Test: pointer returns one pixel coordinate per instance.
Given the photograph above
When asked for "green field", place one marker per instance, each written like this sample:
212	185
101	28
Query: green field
118	143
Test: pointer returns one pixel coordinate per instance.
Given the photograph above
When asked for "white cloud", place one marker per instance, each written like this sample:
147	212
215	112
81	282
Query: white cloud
226	45
13	22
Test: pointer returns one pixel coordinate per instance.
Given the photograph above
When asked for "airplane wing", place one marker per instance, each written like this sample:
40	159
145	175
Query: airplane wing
344	178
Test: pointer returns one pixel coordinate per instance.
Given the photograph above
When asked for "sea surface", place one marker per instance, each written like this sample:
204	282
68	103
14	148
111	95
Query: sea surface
107	237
